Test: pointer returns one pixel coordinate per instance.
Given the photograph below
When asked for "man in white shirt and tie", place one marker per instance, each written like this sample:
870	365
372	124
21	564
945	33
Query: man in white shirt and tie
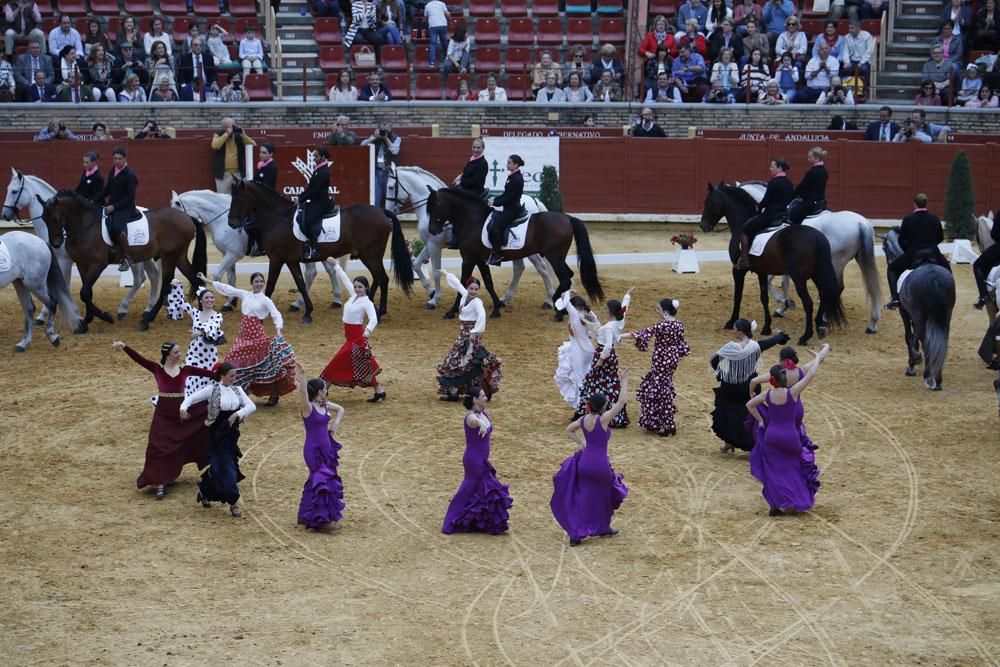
28	64
882	130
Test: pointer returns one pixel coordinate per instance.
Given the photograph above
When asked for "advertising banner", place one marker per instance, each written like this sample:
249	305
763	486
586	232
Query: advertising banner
352	172
537	152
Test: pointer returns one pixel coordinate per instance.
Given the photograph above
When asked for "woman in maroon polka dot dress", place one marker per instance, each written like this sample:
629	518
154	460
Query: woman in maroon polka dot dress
656	392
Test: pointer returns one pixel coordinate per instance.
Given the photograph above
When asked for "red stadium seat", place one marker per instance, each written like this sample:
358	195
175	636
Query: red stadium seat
580	31
240	27
609	6
105	7
138	7
513	8
811	27
486	59
521	31
487	31
451	84
809	10
207	8
49	24
545	8
329	82
664	7
550	32
144	24
327	31
71	7
428	87
422	59
398	84
243	7
518	87
874	26
180	27
45	8
331	58
394	58
611	31
518	59
487	8
258	87
173	7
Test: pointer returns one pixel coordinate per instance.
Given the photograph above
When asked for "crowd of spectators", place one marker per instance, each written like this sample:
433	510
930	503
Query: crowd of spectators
962	68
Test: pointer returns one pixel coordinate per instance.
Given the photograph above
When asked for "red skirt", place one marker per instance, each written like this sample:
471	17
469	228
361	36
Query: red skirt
173	443
265	365
354	365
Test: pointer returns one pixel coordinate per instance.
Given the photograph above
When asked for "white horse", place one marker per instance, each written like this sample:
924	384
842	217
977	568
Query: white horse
851	237
211	208
985	239
410	184
24	191
29	263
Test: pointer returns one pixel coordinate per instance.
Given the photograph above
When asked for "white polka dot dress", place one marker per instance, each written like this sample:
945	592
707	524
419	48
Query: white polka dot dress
203	351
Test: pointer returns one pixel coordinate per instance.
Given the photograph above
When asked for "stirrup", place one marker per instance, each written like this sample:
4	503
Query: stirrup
126	264
892	305
980	302
310	252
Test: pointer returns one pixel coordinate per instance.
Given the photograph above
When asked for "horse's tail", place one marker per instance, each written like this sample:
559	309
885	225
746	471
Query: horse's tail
59	294
830	305
937	324
585	260
199	262
402	269
866	260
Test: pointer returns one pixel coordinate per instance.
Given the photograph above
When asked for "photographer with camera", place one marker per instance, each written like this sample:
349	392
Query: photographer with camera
836	93
646	125
151	130
915	129
387	147
234	90
229	160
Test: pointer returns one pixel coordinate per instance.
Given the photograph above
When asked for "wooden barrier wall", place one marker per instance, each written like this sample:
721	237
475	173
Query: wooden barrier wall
613	175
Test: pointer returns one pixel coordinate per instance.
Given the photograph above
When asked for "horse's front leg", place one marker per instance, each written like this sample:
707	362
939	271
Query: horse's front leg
418	263
152	268
310	276
543	268
739	277
227	267
484	269
802	288
66	266
87	295
28	306
912	344
300	283
518	266
166	277
434	251
762	279
138	278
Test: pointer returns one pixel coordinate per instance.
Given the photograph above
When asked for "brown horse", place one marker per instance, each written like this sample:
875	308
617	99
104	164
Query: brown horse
70	217
799	252
549	234
364	233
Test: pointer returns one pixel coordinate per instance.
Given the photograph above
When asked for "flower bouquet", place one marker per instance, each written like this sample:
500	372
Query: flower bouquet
685	240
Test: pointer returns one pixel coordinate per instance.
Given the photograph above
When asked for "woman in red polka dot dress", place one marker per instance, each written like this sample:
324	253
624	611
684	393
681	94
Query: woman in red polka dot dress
265	365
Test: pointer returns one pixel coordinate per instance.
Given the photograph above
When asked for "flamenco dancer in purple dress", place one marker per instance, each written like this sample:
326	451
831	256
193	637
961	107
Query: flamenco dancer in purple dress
323	495
656	391
481	503
587	490
777	460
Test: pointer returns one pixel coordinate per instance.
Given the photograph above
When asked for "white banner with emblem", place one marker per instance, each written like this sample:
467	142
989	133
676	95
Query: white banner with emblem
537	152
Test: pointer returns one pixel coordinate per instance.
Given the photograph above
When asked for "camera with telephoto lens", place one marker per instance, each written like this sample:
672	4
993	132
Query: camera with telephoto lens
382	132
719	96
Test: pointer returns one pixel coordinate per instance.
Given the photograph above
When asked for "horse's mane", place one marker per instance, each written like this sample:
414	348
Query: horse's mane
762	184
268	190
39	181
75	196
462	193
421	171
739	194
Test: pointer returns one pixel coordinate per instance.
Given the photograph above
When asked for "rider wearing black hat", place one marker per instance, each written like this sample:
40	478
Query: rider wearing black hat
510	200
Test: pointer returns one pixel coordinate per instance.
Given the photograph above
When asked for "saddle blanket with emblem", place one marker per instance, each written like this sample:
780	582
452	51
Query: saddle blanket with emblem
137	231
516	236
331	228
760	241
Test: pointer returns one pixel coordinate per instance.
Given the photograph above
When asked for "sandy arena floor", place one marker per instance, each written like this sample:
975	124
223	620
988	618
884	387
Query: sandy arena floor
895	565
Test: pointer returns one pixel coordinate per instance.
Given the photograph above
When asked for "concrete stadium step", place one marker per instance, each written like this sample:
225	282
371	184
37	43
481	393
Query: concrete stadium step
901	63
923	36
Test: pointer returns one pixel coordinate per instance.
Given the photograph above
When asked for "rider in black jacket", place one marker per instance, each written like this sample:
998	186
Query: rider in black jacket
991	257
810	193
91	184
266	172
510	199
773	204
919	236
315	202
119	202
475	171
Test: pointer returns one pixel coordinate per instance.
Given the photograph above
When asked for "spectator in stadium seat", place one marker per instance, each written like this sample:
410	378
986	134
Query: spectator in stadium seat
541	70
28	64
234	91
161	65
839	124
128	64
343	90
438	21
819	71
607	90
94	36
960	16
195	69
456	59
660	64
927	96
229	158
787	75
251	52
390	22
836	93
132	91
794	41
588	121
725	74
464	92
22	20
492	93
156	34
99	74
194	32
970	84
577	64
718	11
987	27
771	94
217	47
938	71
341	135
151	130
64	35
550	92
70	68
693	38
755	40
832	39
374	91
853	8
129	34
775	13
984	100
325	8
8	87
717	95
688	70
387	146
607	62
918	129
659	35
857	52
646	126
40	91
55	131
664	91
725	38
693	9
575	90
99	132
951	45
882	130
743	13
754	77
163	92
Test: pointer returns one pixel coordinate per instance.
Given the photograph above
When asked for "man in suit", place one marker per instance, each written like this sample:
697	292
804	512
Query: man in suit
882	130
374	91
118	199
29	63
194	69
919	236
41	91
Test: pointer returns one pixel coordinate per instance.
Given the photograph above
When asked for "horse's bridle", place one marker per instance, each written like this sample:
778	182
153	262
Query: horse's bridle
183	208
16	207
394	174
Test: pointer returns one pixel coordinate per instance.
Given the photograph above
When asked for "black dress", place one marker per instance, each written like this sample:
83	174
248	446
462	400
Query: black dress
267	175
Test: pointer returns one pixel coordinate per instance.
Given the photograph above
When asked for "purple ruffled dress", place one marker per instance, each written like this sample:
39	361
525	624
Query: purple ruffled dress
587	489
480	505
323	494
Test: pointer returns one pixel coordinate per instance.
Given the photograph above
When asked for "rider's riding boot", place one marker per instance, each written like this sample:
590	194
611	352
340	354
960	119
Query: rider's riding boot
496	240
123	249
743	263
310	252
980	302
893	291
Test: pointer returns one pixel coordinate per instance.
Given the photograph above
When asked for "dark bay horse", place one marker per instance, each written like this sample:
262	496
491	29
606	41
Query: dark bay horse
800	252
549	234
925	305
71	218
364	233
